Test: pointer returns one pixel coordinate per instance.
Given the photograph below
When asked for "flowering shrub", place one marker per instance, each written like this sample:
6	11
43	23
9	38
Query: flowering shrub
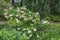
26	26
27	23
21	16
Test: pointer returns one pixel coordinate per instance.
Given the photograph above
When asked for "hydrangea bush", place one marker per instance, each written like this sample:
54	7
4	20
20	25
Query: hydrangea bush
28	24
21	16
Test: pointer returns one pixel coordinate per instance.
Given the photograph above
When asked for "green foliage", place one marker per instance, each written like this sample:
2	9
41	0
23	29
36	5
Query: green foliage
3	5
8	35
22	17
43	32
23	24
53	18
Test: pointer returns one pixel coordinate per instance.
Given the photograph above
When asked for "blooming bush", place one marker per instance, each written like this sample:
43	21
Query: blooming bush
25	25
21	16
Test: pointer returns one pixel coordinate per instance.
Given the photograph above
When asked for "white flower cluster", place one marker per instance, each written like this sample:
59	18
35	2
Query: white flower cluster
45	22
28	31
24	8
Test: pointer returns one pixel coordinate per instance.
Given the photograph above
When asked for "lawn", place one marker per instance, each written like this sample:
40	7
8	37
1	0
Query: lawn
57	24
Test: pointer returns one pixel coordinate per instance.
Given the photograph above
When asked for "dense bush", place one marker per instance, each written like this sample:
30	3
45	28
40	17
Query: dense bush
25	25
21	16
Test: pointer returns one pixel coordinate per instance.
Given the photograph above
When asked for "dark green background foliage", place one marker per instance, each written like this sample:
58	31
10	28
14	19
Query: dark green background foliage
37	5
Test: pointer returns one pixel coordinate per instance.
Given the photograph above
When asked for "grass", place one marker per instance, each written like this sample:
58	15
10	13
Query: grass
57	24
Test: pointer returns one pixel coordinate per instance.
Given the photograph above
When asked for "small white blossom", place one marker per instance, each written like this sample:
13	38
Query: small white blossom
18	28
5	10
24	34
34	29
20	17
18	10
29	31
27	28
23	8
37	35
24	29
10	15
22	11
5	13
17	15
25	19
17	20
23	16
11	18
37	13
30	35
30	12
6	16
45	22
29	15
